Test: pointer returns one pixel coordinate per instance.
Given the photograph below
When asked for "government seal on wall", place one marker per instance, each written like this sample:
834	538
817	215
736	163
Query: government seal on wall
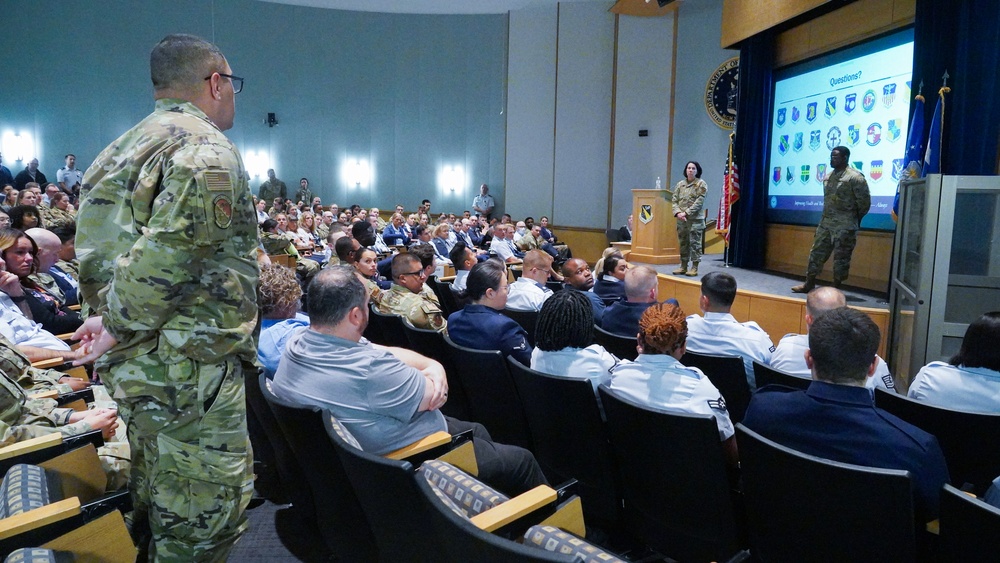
720	93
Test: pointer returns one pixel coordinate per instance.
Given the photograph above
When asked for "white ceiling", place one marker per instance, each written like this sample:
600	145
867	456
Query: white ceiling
428	6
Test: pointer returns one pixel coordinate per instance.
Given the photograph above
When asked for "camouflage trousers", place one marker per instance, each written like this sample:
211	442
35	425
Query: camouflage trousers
191	477
689	235
838	242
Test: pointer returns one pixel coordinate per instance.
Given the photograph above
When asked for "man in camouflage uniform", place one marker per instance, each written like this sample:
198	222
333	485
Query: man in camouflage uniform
272	188
167	240
846	200
406	297
688	200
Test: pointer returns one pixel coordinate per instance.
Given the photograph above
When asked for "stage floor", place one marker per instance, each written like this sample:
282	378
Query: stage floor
773	283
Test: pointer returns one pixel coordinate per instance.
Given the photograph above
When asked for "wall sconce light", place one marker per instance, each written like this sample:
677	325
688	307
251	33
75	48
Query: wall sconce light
356	172
452	178
257	163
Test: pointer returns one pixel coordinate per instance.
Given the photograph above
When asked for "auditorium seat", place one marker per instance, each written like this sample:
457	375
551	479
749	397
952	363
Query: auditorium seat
767	375
404	517
387	328
431	343
969	528
623	347
527	319
675	483
728	375
969	440
801	507
446	296
493	399
341	521
570	439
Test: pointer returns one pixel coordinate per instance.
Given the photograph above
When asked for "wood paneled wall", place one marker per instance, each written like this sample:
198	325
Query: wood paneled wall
777	315
788	252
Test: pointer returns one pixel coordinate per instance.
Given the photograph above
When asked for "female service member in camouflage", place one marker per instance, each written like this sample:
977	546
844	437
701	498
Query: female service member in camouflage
689	198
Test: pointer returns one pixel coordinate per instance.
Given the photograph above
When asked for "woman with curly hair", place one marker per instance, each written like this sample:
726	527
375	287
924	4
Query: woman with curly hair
20	253
24	217
278	297
658	379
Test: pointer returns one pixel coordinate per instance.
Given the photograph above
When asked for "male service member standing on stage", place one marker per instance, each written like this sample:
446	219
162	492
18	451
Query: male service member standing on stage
846	200
166	239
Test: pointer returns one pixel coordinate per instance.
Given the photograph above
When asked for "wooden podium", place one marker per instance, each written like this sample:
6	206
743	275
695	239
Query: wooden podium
654	240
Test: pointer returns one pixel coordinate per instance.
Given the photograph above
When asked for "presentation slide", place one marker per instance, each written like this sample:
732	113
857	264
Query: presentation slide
858	98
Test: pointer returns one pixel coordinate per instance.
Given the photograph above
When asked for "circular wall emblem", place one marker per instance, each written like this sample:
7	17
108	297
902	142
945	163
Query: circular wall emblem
720	93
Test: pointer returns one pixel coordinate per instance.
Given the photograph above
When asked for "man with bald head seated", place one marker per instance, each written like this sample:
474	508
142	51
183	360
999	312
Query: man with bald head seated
836	417
386	397
789	355
578	277
48	254
622	317
658	379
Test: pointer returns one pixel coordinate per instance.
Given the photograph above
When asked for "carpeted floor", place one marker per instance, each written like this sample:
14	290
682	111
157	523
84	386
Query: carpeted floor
273	536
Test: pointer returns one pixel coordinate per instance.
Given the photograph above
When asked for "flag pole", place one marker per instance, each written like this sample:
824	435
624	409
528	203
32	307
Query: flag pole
727	194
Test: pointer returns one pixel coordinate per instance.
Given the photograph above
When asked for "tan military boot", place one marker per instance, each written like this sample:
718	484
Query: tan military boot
693	271
806	287
680	271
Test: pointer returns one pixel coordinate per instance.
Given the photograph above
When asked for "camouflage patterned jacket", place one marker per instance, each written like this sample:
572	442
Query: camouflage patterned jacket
846	199
18	367
167	237
422	309
689	197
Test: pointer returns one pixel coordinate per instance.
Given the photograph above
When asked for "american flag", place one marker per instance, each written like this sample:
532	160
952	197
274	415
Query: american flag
730	195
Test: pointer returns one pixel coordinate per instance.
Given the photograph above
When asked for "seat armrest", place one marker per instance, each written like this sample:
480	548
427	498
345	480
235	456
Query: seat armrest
515	508
43	516
434	440
85	395
32	445
50	363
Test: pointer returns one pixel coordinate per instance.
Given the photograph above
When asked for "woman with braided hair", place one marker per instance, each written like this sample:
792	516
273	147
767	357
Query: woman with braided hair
658	379
563	341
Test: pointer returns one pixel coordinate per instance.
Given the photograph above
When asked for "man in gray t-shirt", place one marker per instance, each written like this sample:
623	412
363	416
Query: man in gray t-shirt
386	397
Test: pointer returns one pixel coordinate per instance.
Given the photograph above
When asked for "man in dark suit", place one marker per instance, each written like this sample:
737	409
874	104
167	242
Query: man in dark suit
836	417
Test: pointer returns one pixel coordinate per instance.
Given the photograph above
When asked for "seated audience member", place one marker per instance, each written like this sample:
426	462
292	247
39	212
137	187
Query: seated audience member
262	215
480	324
394	233
19	253
58	213
16	365
421	236
532	239
299	236
578	277
528	292
610	283
278	296
564	341
406	298
463	258
4	218
367	266
277	244
789	355
970	380
375	215
440	242
502	247
836	417
622	317
16	325
717	332
347	250
326	221
386	397
625	232
67	264
24	217
658	379
46	276
520	231
547	234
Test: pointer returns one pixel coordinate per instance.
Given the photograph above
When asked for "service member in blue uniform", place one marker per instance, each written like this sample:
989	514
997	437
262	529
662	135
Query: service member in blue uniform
836	417
480	324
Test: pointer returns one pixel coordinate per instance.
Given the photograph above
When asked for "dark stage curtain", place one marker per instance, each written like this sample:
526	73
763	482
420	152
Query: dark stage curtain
962	37
750	150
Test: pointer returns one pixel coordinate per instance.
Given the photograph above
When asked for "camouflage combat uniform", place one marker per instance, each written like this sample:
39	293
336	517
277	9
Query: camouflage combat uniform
272	189
167	238
48	283
53	217
846	200
278	244
422	309
22	418
689	198
304	195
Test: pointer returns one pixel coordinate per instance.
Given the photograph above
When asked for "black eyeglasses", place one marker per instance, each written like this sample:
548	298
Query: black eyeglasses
419	273
236	80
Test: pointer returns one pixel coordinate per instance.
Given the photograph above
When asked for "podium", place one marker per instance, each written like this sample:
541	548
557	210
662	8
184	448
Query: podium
654	238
